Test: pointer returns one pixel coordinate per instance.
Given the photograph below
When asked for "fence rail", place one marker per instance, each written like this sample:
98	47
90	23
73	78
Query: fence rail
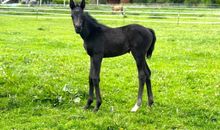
133	14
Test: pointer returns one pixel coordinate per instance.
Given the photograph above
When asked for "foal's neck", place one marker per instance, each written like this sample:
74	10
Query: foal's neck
90	27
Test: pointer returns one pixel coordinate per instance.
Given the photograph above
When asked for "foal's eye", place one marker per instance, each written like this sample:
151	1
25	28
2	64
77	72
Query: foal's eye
76	13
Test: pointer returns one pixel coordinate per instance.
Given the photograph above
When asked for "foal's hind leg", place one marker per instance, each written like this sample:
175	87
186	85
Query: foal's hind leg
140	61
148	83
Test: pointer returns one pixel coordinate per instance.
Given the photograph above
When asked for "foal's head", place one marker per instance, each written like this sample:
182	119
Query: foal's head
77	15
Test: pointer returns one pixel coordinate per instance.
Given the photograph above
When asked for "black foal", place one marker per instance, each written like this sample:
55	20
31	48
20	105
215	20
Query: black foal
101	41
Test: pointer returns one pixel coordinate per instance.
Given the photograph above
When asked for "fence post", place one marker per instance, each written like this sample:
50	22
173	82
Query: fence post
178	16
40	2
64	3
37	12
97	2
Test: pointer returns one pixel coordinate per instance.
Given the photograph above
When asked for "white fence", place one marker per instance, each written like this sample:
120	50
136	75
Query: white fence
157	14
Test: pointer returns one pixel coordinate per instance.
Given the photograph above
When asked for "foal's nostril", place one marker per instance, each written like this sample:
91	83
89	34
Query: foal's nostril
78	29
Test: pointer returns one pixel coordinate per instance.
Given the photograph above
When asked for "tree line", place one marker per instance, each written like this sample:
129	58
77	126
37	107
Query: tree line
186	2
189	2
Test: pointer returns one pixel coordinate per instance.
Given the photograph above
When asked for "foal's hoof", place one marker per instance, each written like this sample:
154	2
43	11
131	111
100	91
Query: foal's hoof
150	103
86	107
95	109
135	108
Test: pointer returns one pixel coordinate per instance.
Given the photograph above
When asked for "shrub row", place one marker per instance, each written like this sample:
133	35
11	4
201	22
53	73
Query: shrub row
187	2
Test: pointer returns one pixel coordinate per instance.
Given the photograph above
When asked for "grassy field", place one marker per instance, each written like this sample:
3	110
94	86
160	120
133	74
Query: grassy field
44	78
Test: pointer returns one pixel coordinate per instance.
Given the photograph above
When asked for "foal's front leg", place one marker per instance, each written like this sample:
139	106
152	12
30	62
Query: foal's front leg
94	78
91	87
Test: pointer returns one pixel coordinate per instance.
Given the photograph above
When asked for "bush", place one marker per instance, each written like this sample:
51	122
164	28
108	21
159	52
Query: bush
67	1
138	1
163	1
188	2
59	1
177	1
216	2
192	2
206	2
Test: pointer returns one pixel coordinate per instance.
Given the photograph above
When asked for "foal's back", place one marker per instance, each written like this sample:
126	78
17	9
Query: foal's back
124	39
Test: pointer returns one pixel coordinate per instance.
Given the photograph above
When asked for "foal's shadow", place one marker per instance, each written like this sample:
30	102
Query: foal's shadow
90	108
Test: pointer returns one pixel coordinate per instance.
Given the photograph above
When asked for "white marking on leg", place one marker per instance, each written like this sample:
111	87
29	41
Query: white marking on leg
135	108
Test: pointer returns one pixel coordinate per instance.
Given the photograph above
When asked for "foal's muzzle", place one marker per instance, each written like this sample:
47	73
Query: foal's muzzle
78	29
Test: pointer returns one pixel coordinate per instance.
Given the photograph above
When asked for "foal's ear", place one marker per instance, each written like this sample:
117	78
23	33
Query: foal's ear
72	4
83	4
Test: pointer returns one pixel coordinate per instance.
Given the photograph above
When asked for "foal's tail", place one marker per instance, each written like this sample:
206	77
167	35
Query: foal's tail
151	49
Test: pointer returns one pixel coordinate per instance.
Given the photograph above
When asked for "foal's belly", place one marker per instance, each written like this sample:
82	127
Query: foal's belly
115	50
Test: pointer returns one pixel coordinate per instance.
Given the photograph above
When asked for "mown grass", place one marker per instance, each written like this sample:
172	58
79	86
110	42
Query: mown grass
44	78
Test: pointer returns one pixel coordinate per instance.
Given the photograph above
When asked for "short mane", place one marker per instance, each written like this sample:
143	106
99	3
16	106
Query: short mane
93	21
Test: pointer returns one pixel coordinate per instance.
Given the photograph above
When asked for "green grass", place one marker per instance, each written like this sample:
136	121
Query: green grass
39	57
